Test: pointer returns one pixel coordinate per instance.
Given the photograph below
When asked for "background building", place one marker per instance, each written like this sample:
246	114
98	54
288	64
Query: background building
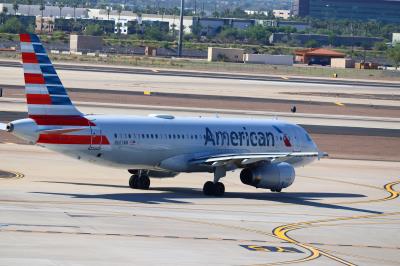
380	10
396	38
212	26
49	11
280	13
317	56
321	40
80	43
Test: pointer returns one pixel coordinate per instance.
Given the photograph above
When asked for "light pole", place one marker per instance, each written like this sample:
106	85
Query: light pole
181	29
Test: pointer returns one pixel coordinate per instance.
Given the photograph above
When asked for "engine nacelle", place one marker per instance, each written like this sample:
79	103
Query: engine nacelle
270	176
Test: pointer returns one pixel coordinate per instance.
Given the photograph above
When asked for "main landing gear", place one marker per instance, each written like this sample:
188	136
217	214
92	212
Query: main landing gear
215	188
139	180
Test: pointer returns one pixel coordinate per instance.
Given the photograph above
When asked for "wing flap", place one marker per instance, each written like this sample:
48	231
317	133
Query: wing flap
250	158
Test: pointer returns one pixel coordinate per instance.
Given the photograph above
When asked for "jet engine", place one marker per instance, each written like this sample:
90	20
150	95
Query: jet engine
270	176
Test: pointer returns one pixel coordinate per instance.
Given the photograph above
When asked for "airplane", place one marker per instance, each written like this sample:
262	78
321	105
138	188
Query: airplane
161	145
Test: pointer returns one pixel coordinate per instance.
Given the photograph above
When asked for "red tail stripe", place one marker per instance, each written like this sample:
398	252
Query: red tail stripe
38	99
34	78
61	120
73	139
25	37
29	58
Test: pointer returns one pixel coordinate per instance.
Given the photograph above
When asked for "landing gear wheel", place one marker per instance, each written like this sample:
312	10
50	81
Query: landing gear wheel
144	182
209	188
133	181
278	190
219	189
213	189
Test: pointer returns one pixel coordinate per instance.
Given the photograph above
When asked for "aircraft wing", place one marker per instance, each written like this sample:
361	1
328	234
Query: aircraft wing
250	158
3	126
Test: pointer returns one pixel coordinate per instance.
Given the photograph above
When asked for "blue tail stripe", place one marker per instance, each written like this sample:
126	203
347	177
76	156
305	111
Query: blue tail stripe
52	80
34	38
43	59
56	90
60	100
39	49
48	70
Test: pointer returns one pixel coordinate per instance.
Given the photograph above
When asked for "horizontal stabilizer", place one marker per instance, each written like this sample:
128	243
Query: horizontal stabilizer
3	126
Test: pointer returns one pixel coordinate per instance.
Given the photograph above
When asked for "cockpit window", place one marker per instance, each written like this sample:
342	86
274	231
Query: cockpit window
308	137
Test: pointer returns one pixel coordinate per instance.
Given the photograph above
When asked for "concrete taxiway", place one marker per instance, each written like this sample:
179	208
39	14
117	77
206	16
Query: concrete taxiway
59	211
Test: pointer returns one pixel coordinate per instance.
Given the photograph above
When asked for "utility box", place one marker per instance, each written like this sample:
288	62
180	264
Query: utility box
284	60
150	51
225	54
366	65
342	63
83	43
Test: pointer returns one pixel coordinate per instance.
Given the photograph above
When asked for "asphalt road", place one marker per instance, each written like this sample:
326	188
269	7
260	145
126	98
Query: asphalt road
198	74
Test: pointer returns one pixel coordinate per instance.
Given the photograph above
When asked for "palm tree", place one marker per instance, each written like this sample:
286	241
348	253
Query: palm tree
42	8
60	5
119	10
5	10
108	9
29	6
15	7
74	5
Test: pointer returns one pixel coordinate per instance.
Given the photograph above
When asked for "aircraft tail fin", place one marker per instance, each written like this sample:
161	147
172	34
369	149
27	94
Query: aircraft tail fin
47	99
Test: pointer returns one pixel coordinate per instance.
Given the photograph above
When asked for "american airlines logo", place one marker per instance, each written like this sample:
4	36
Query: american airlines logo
239	138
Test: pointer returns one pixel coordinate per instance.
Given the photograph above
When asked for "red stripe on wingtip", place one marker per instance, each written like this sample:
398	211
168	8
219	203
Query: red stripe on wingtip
38	99
61	120
25	37
73	139
34	78
29	58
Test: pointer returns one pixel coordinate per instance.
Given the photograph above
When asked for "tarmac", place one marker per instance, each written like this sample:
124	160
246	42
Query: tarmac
55	210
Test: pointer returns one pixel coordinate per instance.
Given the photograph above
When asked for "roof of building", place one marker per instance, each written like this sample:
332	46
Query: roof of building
319	52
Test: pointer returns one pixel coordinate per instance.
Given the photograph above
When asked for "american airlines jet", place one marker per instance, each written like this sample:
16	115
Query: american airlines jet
157	146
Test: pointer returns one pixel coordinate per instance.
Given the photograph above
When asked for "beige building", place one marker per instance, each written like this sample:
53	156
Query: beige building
342	63
44	25
81	43
225	54
283	60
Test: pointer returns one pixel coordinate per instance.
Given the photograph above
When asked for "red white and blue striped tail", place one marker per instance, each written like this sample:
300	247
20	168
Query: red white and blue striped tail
48	101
